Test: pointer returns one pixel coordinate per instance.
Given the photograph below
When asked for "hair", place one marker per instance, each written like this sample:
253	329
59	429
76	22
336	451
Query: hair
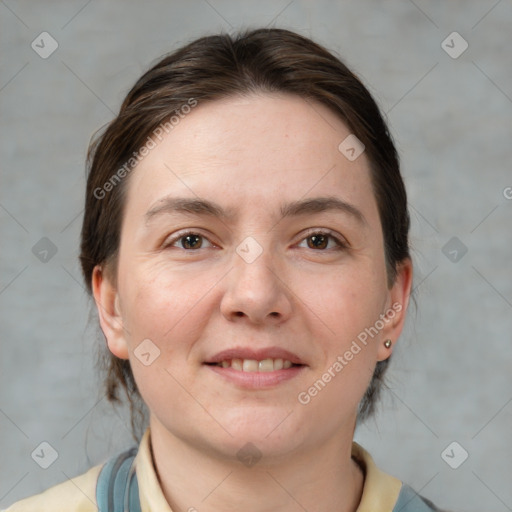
222	66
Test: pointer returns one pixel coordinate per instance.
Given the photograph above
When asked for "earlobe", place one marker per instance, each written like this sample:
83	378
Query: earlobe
399	295
109	312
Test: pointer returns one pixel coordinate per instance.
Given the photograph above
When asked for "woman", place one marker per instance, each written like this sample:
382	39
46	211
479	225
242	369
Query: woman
245	240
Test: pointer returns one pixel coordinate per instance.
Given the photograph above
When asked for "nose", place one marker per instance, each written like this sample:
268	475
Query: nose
256	292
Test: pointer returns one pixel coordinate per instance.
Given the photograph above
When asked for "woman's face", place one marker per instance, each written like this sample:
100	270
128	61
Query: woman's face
249	242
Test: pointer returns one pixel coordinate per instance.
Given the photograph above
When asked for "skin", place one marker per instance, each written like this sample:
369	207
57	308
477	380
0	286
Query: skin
251	155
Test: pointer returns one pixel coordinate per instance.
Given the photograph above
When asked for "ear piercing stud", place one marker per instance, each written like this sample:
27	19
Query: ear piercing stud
388	343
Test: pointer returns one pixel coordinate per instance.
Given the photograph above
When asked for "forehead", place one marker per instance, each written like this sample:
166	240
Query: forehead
254	150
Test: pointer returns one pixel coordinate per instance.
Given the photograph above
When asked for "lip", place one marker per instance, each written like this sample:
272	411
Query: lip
256	380
258	355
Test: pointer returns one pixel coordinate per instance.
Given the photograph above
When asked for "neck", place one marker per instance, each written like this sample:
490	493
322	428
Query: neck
322	479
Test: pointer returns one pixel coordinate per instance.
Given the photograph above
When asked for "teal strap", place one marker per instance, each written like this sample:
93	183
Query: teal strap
117	489
410	501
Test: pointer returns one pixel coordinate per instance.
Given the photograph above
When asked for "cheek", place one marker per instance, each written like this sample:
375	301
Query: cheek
171	310
345	302
166	306
343	306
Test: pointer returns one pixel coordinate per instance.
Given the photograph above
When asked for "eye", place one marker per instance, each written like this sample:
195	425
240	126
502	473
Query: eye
322	240
188	241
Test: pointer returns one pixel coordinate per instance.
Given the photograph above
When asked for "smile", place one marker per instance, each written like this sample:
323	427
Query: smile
247	368
253	365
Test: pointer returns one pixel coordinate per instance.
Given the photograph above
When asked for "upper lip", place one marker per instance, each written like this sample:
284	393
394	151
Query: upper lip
258	355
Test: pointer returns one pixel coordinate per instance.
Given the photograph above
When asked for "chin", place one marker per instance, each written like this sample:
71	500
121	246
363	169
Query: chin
269	430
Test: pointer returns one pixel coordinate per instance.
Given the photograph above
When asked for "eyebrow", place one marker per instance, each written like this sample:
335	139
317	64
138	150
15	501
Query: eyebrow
187	205
322	204
197	206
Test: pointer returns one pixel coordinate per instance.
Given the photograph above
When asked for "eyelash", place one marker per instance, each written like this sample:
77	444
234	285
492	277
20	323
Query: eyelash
341	244
168	243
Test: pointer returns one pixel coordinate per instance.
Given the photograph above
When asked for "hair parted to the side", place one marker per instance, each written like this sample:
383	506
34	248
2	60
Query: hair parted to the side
215	67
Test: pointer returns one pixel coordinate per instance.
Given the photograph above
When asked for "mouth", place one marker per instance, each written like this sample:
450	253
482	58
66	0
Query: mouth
256	369
253	365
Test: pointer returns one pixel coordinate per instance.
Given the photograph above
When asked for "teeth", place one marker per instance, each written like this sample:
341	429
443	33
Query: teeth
267	365
252	365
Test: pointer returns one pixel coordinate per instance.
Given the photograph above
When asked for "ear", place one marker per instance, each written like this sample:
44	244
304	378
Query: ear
396	308
111	321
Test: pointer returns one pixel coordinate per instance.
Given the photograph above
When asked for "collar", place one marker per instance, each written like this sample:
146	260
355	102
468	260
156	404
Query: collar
380	490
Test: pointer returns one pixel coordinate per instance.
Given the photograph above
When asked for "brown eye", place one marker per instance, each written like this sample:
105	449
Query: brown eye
318	241
188	241
191	241
323	241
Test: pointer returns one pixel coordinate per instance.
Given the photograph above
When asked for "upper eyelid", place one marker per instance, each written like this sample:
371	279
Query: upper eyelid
339	239
326	231
173	238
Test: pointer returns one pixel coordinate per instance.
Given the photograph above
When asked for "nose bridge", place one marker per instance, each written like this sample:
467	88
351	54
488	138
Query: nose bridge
255	290
254	264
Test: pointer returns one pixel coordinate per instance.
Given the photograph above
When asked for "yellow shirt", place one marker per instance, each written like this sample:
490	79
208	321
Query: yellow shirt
380	491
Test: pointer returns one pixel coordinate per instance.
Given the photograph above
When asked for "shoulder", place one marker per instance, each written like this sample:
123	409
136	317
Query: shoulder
75	495
410	501
383	492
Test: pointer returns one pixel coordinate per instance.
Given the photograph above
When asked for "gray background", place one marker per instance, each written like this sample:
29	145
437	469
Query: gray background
451	117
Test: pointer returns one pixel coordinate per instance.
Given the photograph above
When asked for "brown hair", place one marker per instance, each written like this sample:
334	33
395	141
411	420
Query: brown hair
219	66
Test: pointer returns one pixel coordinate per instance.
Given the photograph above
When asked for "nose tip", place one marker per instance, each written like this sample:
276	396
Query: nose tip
254	292
272	314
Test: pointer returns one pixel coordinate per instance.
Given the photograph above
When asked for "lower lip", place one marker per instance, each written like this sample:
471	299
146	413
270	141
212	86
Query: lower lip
255	380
